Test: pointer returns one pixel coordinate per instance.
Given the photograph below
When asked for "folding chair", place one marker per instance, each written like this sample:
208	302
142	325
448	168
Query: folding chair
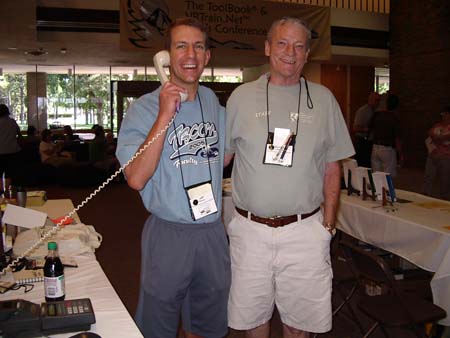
392	308
345	284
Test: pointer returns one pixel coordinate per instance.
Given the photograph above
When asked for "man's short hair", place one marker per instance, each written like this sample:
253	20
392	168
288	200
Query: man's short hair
191	22
4	110
296	21
392	102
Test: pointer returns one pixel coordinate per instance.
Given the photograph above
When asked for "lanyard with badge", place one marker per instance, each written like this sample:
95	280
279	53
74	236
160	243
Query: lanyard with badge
200	195
280	143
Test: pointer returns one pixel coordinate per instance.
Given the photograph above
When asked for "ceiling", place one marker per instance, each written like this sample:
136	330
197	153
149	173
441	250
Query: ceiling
32	34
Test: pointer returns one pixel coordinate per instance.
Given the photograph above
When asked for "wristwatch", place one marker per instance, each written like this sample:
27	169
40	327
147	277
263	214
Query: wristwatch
331	228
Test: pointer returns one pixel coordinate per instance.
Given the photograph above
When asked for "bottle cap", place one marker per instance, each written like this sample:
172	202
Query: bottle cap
51	245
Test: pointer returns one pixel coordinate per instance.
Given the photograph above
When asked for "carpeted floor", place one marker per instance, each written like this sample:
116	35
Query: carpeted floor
118	214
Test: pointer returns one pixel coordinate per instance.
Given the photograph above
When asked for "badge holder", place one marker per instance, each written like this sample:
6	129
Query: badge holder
279	152
350	189
385	200
365	194
201	200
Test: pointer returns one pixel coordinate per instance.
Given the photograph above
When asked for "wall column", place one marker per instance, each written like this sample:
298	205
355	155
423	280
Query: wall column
419	69
37	100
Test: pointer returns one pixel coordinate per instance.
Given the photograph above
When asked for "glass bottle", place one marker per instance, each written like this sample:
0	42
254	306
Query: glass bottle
54	284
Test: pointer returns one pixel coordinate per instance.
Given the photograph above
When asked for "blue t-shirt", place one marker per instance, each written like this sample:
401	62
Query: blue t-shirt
164	194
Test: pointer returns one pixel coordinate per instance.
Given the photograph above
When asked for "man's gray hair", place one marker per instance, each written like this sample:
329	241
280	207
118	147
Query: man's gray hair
296	21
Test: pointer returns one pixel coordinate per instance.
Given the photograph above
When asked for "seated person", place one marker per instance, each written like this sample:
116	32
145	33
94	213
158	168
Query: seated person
111	144
32	135
52	153
69	136
98	153
30	145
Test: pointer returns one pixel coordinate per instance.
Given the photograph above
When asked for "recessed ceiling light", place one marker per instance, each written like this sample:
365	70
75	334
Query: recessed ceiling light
36	52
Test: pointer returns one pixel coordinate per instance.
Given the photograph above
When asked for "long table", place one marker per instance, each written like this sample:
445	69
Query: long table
86	281
418	231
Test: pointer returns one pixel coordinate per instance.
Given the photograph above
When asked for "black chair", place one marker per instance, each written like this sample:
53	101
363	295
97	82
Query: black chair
393	307
345	281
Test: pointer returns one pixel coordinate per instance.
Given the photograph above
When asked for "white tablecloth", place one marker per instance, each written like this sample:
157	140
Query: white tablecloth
86	281
418	231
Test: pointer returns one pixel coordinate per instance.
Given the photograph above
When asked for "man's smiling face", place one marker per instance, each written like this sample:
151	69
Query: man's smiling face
288	53
188	55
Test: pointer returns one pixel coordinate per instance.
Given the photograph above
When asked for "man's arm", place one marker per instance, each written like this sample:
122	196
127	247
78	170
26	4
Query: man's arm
227	159
144	166
331	191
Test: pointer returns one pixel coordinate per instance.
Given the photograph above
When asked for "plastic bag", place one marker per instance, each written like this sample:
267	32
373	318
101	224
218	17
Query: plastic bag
72	240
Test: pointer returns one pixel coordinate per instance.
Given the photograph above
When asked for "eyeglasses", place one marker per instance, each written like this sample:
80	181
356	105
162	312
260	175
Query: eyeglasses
27	287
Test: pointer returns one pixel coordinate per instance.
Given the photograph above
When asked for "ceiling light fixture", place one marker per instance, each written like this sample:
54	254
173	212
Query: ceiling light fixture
63	51
37	52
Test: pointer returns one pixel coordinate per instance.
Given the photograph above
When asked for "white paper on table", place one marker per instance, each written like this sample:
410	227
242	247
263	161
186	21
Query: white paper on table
380	182
23	217
360	174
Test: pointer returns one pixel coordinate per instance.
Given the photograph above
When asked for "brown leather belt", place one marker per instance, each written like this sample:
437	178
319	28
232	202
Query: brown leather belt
278	221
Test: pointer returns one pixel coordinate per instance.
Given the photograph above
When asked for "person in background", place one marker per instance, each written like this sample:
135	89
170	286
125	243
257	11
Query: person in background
9	147
385	128
69	136
430	174
363	142
439	157
111	144
32	135
185	257
98	153
279	237
30	146
52	153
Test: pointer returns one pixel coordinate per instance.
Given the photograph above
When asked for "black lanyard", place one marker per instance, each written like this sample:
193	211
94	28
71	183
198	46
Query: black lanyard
206	146
298	106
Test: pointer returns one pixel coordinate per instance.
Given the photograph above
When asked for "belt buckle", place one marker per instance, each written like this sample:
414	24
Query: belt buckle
276	221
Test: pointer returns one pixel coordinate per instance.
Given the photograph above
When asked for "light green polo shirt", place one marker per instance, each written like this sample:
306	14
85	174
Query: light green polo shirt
270	190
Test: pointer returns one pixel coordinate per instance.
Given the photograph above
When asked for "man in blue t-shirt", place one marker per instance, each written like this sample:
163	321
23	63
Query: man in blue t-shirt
185	259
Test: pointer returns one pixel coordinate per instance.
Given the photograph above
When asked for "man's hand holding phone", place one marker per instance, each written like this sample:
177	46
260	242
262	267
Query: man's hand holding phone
169	100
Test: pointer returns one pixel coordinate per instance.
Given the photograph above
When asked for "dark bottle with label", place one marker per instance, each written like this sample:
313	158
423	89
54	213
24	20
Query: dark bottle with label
54	284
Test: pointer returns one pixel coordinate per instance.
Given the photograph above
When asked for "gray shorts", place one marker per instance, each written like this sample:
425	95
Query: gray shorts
185	269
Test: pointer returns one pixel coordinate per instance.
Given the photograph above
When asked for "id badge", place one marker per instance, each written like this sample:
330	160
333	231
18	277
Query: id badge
279	148
201	200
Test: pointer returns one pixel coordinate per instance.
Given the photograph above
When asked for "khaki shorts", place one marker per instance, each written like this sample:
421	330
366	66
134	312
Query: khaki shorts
288	266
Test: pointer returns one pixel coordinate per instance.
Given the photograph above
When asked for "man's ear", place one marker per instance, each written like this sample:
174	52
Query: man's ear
207	56
307	55
267	48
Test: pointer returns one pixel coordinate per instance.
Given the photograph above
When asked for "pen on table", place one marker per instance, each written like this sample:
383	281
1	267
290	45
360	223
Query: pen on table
286	147
282	148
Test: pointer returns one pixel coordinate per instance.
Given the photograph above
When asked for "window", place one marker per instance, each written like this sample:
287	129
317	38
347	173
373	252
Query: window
381	80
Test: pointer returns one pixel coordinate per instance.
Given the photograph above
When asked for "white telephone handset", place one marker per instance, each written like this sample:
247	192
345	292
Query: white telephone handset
161	59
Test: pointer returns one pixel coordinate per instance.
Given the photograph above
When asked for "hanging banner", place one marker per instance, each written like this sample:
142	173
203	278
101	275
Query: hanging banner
237	29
